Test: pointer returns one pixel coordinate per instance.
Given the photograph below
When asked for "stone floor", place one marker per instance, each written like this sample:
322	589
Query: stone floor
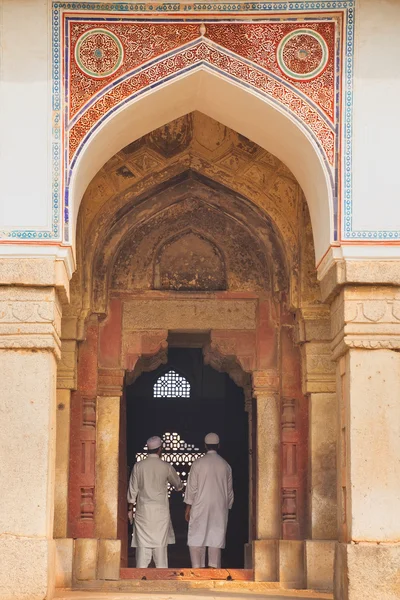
196	595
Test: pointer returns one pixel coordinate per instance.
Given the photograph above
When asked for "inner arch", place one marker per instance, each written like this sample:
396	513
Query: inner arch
233	105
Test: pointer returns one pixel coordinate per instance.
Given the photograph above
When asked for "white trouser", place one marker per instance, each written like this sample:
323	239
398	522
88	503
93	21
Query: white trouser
198	557
144	556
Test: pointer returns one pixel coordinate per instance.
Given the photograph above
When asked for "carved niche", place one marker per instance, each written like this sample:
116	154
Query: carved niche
189	262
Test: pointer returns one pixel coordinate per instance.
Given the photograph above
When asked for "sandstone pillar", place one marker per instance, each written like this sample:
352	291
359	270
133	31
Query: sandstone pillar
29	346
319	384
366	328
267	489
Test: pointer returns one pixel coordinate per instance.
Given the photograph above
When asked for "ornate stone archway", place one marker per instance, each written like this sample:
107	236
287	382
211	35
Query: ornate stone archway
267	328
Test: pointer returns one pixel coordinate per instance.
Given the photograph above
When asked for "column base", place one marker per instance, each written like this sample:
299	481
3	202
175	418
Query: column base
64	561
320	556
248	556
265	560
367	570
291	565
96	560
26	568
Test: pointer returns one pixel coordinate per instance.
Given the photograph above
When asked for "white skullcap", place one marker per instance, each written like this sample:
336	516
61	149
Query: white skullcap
154	442
211	438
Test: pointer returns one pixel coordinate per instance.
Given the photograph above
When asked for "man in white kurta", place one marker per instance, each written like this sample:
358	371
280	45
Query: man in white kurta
209	496
148	488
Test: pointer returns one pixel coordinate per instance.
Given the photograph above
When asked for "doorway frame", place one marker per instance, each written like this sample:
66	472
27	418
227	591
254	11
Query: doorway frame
249	351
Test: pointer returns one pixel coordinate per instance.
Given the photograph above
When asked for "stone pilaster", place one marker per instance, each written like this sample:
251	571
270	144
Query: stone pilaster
267	501
30	320
366	340
319	383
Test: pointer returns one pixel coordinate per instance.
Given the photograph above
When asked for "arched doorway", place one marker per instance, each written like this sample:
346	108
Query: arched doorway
208	235
181	402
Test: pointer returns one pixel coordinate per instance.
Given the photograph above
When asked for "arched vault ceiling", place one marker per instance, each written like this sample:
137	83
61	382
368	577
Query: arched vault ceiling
198	157
199	143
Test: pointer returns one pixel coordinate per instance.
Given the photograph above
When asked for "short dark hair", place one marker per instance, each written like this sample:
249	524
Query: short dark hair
212	446
153	450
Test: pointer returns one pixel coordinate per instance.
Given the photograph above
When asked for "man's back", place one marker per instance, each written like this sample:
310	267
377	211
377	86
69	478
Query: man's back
212	474
152	478
209	492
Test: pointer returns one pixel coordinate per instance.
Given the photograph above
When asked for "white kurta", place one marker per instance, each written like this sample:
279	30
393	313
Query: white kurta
148	488
209	491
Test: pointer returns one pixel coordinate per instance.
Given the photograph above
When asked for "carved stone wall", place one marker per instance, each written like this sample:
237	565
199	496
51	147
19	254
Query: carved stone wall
229	191
195	228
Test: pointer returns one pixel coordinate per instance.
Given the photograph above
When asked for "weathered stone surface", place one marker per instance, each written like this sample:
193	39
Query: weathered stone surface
190	261
323	479
38	271
66	371
265	560
373	447
256	175
291	564
367	571
30	318
182	314
319	564
335	273
268	504
109	559
366	317
319	372
85	559
26	567
27	443
107	447
64	555
63	414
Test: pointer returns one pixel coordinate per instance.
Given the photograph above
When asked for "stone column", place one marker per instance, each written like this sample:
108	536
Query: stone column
319	383
106	491
366	328
66	383
29	347
267	489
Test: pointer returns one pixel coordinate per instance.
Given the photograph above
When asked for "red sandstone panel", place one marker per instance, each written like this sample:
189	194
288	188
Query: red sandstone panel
267	337
83	439
87	360
294	447
188	574
110	334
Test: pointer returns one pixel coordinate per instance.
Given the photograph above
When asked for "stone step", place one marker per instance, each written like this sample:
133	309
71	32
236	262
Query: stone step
169	590
254	592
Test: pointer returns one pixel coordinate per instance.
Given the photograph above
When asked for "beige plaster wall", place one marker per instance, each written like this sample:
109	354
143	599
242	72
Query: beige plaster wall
376	89
25	74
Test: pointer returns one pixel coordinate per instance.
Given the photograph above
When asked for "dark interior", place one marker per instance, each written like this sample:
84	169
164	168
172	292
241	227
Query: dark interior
215	404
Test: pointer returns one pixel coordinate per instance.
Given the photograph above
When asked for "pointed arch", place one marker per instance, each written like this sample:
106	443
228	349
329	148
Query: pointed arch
231	103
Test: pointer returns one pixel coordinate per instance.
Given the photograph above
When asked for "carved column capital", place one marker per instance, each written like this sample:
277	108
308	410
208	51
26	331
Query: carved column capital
265	383
313	324
66	371
366	317
30	319
136	344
